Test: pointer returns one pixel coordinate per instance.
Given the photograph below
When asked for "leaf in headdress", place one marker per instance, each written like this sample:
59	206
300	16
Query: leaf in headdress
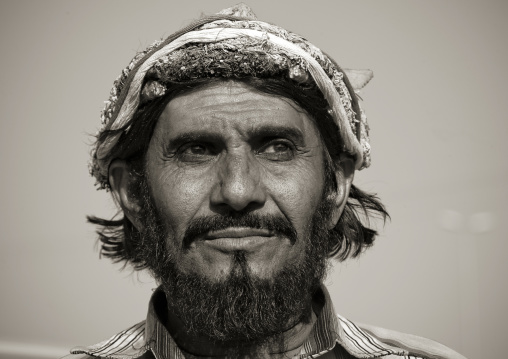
358	78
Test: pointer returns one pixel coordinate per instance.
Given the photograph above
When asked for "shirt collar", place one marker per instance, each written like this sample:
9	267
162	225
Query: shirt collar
331	333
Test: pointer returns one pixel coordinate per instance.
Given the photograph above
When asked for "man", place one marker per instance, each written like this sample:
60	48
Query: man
231	148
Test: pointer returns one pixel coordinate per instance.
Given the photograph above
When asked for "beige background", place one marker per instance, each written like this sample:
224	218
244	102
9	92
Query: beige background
437	108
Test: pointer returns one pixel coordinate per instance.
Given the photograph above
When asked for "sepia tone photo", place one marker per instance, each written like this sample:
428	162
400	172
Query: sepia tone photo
208	179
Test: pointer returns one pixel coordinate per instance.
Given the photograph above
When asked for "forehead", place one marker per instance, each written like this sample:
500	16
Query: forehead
227	105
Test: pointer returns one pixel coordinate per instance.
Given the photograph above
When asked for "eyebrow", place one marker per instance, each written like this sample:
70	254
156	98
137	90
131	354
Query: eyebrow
277	131
266	131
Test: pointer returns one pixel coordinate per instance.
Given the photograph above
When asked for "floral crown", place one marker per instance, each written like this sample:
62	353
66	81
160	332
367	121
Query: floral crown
232	43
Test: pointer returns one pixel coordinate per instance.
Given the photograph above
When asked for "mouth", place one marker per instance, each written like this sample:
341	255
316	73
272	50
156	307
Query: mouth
238	232
235	239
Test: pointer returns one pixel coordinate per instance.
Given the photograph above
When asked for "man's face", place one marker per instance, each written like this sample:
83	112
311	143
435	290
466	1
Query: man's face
227	150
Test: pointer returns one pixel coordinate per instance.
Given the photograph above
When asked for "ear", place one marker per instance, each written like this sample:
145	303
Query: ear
121	179
344	174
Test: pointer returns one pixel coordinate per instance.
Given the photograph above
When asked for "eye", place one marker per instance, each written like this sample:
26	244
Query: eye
195	152
279	150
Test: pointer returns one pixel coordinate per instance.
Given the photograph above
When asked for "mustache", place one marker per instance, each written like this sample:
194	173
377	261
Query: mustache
203	225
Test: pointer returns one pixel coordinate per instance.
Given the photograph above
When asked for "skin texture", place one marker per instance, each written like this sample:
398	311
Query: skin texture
225	148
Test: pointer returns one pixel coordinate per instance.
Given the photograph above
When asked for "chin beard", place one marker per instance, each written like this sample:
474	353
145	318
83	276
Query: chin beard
240	310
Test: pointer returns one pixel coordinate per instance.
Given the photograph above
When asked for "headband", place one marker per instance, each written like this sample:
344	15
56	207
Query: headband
232	44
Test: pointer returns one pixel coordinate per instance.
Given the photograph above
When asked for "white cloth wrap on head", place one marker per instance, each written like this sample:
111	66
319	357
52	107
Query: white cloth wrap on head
131	102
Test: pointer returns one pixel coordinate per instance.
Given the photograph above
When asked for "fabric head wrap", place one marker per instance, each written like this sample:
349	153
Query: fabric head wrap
233	43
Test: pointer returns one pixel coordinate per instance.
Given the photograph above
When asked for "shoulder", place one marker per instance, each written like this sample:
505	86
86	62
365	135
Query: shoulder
146	355
411	345
129	343
77	356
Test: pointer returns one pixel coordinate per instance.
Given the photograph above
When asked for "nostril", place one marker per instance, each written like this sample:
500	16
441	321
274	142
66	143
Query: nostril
228	210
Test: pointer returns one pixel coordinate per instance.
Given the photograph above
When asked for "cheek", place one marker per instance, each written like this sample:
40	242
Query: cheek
179	199
297	193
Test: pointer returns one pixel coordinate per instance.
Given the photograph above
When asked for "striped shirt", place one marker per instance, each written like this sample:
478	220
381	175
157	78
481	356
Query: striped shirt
333	337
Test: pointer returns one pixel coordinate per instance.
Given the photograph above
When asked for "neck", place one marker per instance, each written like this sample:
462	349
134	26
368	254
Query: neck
282	345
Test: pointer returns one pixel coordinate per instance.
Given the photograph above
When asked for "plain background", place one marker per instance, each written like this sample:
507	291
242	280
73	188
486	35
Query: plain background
437	110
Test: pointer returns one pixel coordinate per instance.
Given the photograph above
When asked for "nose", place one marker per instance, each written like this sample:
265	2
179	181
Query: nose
239	186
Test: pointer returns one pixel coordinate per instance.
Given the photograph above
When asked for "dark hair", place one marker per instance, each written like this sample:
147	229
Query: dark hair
120	240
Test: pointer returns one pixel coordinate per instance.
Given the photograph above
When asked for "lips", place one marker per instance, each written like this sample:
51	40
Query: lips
238	233
235	239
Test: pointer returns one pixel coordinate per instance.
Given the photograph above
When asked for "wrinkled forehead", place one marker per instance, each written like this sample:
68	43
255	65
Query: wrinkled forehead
235	98
232	106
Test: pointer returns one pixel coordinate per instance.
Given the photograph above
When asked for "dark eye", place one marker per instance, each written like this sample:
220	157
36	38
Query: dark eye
278	151
278	147
195	152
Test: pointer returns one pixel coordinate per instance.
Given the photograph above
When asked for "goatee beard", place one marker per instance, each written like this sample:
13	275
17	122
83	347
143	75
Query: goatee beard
241	310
